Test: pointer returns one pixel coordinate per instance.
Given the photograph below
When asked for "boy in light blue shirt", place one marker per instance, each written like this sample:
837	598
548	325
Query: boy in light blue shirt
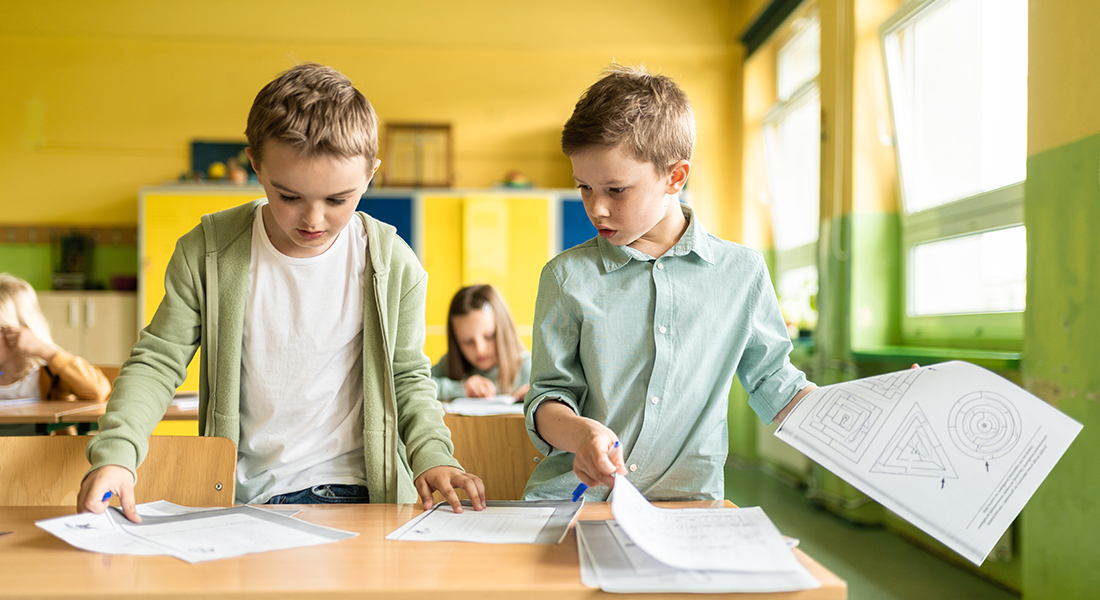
640	331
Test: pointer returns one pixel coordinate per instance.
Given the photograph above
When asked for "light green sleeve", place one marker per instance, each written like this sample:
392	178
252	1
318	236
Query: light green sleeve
447	389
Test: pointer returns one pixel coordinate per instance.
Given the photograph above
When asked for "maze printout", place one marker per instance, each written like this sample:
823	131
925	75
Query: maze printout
953	448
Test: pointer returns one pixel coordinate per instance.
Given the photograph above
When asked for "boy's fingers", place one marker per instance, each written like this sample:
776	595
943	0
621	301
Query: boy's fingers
425	492
475	489
129	510
450	496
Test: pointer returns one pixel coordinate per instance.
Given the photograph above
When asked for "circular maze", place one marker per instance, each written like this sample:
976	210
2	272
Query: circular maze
984	425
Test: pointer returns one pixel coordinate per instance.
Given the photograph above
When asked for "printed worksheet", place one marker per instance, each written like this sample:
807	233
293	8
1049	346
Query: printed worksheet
501	522
952	448
190	535
611	561
711	539
474	407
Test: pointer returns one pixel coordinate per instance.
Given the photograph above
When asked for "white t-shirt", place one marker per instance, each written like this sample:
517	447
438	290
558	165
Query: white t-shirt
302	368
27	387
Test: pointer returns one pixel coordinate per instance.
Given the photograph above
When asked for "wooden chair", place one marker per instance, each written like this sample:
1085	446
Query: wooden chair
187	470
496	449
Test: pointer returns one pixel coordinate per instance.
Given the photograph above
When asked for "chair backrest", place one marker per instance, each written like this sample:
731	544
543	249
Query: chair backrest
497	449
187	470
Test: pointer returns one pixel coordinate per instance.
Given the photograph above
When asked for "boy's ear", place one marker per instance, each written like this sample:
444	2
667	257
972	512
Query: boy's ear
255	165
678	177
377	163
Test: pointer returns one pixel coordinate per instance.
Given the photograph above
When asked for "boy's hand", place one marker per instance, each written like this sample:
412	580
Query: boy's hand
521	391
597	459
110	478
477	386
445	480
23	340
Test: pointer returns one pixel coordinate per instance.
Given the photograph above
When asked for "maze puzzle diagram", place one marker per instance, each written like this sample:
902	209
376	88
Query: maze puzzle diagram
890	386
846	422
849	419
915	450
984	425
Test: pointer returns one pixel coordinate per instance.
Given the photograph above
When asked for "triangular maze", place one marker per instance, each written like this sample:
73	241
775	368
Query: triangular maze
915	450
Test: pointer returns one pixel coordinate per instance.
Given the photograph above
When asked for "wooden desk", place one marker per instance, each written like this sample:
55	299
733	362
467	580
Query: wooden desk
46	411
92	412
36	564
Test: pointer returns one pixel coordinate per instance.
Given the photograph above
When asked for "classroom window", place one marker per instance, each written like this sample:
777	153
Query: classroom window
792	148
957	77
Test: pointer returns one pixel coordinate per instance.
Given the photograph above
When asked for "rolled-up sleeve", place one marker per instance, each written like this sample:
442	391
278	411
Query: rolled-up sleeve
765	369
556	372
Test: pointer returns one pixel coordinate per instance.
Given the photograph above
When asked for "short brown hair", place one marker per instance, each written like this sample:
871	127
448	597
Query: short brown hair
648	113
317	110
509	347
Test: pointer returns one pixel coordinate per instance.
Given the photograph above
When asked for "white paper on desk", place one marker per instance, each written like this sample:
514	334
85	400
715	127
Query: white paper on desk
611	561
194	536
713	539
493	525
10	402
497	405
952	448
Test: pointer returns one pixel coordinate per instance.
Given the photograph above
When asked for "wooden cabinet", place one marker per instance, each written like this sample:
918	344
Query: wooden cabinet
100	327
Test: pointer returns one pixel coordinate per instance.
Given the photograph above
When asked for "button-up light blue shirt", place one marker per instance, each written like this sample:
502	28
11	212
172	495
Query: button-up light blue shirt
649	347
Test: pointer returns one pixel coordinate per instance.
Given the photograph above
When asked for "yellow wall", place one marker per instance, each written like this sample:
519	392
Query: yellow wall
102	98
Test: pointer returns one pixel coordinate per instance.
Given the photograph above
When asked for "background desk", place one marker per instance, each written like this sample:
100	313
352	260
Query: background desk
46	412
36	564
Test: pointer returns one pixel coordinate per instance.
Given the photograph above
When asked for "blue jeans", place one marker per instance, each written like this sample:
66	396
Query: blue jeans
331	493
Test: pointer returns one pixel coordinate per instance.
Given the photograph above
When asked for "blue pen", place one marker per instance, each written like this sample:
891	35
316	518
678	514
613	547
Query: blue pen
577	493
106	497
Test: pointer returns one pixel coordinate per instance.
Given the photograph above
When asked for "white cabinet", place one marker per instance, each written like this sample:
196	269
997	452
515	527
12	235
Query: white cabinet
100	327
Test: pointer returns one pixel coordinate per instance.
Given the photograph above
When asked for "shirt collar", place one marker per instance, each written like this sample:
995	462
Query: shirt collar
695	239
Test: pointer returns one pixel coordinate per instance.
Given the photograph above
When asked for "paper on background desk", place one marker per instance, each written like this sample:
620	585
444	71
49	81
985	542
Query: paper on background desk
480	407
191	535
502	522
952	448
10	402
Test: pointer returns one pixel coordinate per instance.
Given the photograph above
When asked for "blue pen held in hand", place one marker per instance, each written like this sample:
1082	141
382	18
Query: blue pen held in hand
577	493
106	497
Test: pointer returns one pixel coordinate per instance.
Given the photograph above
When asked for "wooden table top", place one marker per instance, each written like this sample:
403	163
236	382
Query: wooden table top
93	411
39	565
45	411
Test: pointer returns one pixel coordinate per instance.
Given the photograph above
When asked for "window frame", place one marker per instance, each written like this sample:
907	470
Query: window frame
979	213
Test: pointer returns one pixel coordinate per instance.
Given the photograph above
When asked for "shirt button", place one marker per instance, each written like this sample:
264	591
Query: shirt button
655	399
661	266
662	329
633	468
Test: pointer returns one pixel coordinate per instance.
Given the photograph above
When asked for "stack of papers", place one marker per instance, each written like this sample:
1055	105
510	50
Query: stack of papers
192	535
502	522
952	448
650	549
186	400
497	405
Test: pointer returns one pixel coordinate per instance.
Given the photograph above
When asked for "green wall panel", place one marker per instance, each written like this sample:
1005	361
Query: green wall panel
1061	364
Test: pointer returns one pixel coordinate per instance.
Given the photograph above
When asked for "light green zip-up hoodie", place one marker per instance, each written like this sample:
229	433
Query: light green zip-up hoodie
205	287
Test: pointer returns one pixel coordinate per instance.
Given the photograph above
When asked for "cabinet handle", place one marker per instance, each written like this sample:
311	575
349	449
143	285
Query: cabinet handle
89	313
74	316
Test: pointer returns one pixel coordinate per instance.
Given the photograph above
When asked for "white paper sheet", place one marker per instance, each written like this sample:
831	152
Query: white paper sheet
952	448
193	536
612	562
497	405
713	539
494	525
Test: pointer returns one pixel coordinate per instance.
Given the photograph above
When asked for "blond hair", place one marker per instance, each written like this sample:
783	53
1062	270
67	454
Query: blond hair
509	347
647	113
316	110
19	308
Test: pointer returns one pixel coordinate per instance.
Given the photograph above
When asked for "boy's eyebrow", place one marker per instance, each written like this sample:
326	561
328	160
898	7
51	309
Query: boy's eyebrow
612	183
283	188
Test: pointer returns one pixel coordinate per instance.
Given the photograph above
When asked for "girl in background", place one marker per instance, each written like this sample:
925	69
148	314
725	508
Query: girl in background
485	356
31	365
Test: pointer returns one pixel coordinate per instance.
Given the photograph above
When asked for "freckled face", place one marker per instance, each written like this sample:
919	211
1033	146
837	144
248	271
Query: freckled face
310	198
476	333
